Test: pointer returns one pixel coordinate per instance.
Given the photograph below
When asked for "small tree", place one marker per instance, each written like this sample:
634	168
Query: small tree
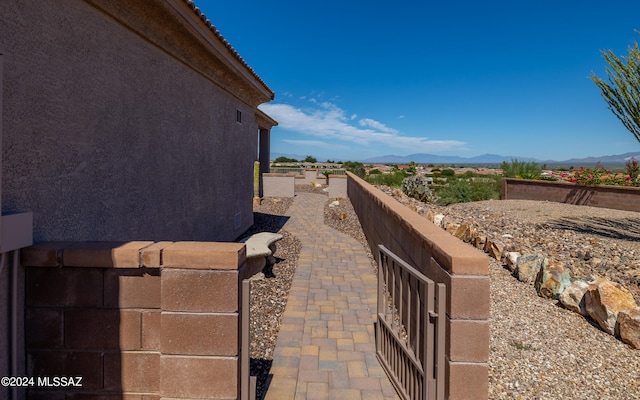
310	159
622	92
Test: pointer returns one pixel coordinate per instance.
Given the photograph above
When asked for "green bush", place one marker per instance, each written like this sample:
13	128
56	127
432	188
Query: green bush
448	172
521	169
466	190
354	167
393	179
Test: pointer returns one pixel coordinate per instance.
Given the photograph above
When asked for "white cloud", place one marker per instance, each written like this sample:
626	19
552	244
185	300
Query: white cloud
368	122
329	122
316	143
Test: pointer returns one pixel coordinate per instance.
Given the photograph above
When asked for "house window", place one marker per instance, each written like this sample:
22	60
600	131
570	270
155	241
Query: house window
239	116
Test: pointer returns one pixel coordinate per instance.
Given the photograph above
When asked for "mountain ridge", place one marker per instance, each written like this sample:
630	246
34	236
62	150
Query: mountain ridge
425	158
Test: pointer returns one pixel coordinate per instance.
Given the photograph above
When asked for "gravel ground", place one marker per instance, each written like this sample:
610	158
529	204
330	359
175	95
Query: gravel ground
269	292
538	350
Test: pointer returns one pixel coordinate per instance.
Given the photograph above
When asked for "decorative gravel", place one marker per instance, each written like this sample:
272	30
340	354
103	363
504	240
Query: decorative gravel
538	350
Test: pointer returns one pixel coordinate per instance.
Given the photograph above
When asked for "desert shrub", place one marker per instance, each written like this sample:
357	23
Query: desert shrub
521	169
448	172
633	169
393	179
416	186
466	190
355	167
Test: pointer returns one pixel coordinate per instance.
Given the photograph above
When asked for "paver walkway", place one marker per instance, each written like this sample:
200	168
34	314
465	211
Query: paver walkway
326	347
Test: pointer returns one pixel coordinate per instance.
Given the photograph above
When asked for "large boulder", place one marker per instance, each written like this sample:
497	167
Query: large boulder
552	279
572	298
604	300
527	267
629	327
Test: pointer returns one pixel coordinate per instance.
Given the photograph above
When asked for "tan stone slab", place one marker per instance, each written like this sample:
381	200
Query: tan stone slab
204	255
104	254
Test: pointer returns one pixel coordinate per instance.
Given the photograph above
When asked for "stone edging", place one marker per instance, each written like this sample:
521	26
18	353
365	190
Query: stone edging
607	303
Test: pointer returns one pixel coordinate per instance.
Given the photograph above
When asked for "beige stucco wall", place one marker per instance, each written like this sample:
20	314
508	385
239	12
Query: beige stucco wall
118	125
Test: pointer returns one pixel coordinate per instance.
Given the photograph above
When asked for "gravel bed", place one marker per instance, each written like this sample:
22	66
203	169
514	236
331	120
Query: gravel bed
538	350
269	291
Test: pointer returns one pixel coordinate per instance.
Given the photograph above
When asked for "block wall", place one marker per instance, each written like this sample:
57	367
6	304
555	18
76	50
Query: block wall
139	320
310	176
443	259
337	186
278	185
616	197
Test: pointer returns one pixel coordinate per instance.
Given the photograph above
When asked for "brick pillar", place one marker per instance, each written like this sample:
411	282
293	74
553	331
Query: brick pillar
200	314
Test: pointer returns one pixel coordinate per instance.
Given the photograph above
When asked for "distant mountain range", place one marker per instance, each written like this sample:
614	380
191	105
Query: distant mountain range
422	158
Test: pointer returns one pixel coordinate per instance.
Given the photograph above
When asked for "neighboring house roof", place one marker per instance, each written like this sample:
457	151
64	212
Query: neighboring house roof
233	51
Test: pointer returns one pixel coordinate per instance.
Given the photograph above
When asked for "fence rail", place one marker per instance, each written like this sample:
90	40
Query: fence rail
410	328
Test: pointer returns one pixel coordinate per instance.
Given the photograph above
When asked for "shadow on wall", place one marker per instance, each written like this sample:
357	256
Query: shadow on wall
624	228
579	196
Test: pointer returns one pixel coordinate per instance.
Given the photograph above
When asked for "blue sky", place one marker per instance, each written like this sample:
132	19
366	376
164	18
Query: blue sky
358	79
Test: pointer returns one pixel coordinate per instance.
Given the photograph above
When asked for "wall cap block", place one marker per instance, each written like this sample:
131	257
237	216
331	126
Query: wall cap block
44	254
104	254
151	256
204	255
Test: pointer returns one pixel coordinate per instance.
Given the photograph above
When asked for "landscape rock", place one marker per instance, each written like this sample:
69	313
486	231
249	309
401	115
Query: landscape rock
511	258
438	219
572	298
334	204
527	267
479	241
451	227
629	327
466	233
604	300
429	215
552	279
494	249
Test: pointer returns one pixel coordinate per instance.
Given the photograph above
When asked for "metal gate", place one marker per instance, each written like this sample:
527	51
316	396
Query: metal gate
247	382
410	328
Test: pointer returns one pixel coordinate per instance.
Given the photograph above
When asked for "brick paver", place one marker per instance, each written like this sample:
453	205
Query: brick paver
326	347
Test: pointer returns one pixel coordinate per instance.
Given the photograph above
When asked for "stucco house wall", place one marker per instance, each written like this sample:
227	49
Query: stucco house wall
120	121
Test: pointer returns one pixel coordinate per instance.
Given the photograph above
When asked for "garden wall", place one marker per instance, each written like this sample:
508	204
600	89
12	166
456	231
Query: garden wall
134	319
444	259
310	176
278	185
606	196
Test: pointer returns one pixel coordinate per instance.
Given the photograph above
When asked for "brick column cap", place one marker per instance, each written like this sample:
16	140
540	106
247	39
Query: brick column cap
204	255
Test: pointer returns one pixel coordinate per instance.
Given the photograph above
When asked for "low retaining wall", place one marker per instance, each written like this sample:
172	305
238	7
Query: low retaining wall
310	176
139	319
444	259
606	196
278	185
283	185
337	186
